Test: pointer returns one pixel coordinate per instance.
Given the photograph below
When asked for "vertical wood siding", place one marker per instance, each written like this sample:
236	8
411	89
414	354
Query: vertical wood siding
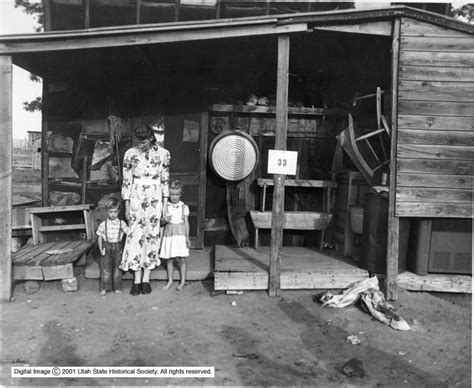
435	150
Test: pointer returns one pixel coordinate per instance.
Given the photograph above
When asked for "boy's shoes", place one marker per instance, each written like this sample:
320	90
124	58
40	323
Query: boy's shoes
146	288
136	288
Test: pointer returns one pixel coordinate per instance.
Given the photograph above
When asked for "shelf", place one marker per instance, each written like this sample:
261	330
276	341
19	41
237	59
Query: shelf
62	228
59	209
272	110
298	183
59	154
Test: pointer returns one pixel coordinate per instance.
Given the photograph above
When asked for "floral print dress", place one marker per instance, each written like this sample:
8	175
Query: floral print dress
145	184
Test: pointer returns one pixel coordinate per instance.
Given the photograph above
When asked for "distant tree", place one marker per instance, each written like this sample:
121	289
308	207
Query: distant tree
34	8
31	106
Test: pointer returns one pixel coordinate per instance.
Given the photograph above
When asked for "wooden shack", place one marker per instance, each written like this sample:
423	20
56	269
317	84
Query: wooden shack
100	82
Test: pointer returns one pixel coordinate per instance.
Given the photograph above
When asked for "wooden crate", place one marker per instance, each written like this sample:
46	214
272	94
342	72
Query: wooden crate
36	262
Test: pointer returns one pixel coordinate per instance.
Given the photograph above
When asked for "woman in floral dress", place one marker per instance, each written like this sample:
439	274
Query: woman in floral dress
145	193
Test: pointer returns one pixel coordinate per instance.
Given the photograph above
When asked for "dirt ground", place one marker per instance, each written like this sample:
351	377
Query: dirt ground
26	185
258	340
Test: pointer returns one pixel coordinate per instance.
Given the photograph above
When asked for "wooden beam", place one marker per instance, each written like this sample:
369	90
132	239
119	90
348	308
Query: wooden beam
298	183
218	9
383	28
44	145
278	179
138	6
87	10
436	283
98	39
201	209
47	15
6	148
85	166
176	10
393	238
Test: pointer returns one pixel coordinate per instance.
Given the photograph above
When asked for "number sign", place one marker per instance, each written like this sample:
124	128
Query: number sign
282	162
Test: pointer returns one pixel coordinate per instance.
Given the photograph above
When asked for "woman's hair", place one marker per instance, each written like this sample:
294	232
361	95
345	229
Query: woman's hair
112	203
158	125
145	132
176	185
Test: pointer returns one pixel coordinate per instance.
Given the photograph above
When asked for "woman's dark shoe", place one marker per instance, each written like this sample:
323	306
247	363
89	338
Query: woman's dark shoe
136	288
146	288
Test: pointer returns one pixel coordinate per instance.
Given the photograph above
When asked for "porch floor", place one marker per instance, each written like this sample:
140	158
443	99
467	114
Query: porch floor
301	268
199	266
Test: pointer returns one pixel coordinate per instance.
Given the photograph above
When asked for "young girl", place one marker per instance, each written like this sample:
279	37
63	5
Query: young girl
175	241
110	233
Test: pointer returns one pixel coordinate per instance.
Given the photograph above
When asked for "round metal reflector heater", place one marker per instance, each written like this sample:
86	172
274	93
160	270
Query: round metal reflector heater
233	155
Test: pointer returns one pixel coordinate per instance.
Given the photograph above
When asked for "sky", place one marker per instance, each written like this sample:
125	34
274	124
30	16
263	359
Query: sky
15	21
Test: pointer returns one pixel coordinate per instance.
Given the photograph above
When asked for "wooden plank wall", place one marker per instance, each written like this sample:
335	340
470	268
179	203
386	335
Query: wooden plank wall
435	150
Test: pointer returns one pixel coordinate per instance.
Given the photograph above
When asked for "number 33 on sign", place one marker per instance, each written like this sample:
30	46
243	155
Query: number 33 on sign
282	162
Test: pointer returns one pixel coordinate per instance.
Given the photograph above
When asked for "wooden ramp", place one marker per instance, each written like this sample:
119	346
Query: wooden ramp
199	266
48	261
301	268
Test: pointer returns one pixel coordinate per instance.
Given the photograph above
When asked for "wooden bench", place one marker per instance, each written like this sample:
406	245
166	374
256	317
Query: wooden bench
298	220
50	260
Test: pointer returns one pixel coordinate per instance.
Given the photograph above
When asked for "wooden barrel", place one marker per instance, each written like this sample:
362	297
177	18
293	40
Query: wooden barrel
233	155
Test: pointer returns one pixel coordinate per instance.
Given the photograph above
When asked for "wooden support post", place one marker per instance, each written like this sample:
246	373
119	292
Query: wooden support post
47	15
393	239
87	11
267	7
6	148
138	6
176	10
201	209
278	179
218	9
44	145
85	166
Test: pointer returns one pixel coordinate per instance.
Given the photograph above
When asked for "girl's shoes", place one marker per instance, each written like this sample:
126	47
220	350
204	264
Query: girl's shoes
146	288
136	289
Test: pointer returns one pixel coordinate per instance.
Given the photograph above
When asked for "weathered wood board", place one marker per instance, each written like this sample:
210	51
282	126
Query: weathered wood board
301	268
435	145
34	262
436	283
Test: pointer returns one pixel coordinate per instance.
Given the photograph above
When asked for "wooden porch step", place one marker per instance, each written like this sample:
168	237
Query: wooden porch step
38	262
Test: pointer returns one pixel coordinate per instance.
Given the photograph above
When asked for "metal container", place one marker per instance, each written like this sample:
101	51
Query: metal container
375	232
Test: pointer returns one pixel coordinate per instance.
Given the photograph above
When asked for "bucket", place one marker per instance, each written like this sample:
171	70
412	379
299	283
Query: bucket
357	219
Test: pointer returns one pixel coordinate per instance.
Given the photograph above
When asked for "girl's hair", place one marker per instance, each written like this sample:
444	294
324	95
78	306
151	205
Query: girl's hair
176	185
145	132
112	203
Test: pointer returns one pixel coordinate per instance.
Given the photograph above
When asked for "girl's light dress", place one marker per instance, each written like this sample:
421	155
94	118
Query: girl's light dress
173	242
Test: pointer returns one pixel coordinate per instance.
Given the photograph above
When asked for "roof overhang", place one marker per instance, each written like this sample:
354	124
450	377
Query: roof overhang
143	35
215	29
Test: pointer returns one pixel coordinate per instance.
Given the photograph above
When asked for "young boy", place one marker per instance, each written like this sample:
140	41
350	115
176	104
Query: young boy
110	233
